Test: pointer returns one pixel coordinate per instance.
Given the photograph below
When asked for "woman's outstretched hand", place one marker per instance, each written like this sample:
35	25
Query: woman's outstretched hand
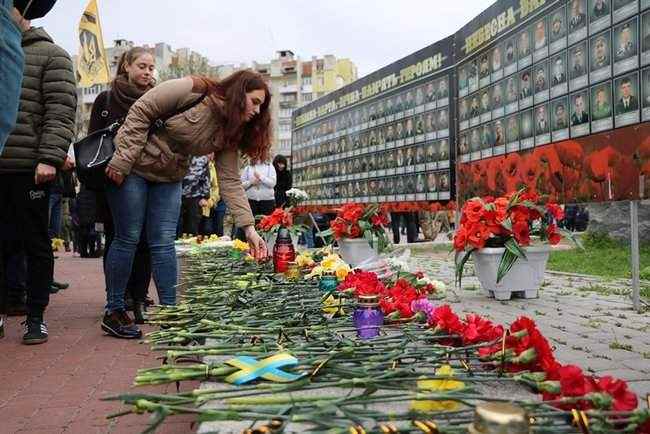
256	243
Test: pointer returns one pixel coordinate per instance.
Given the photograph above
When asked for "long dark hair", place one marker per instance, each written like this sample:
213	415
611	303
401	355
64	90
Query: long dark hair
280	159
252	137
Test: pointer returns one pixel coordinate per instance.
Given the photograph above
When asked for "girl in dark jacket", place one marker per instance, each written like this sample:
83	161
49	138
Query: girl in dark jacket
134	78
284	180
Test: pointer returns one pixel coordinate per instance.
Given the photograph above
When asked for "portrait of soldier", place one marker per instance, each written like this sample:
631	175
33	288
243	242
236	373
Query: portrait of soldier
558	29
601	106
430	95
463	144
559	116
626	41
600	51
524	44
431	153
443	149
526	124
541	120
475	140
626	92
559	70
540	78
443	119
419	122
577	56
511	89
600	9
496	58
512	131
485	101
540	34
577	17
409	131
484	66
419	155
429	123
463	110
499	135
580	110
432	182
497	96
443	89
510	52
474	109
420	185
524	85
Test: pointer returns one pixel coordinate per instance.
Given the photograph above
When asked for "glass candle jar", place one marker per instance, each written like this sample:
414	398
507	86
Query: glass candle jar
283	252
328	283
367	317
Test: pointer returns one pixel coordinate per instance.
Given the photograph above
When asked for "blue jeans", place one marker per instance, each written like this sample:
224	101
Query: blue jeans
132	204
54	229
11	70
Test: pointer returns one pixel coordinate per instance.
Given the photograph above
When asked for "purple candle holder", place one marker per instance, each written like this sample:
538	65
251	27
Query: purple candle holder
367	317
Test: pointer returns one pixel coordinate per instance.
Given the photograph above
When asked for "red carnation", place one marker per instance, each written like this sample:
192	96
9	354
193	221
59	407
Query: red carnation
521	232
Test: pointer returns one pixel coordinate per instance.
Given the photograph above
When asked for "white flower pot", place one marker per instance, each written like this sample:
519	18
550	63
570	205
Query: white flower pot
354	251
525	277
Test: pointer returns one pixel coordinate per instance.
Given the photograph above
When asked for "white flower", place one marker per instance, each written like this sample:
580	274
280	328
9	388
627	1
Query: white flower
297	195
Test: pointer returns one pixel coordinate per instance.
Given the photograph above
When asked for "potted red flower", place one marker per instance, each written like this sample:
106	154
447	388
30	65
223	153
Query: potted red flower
359	231
509	238
280	218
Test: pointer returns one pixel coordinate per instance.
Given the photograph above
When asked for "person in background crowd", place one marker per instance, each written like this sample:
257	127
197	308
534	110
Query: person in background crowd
86	211
211	214
284	180
259	179
134	78
410	221
35	151
12	57
196	193
229	116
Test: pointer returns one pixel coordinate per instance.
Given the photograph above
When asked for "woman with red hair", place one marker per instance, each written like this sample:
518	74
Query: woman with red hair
168	125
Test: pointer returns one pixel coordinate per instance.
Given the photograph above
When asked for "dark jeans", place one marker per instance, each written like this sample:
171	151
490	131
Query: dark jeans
24	216
258	207
132	204
11	70
190	215
56	215
410	221
216	219
16	268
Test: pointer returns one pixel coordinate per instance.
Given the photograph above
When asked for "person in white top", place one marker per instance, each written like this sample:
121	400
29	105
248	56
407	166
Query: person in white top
258	179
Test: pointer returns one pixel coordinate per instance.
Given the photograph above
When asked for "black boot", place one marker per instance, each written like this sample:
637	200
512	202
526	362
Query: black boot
139	310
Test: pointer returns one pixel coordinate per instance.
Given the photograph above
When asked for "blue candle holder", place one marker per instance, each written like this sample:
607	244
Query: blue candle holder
328	283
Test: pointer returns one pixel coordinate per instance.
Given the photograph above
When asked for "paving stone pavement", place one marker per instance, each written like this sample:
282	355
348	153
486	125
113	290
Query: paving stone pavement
589	321
56	387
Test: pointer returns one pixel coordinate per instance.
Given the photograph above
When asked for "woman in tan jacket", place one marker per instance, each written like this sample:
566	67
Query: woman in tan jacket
152	157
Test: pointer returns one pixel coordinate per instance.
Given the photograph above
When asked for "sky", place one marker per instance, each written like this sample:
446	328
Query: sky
372	33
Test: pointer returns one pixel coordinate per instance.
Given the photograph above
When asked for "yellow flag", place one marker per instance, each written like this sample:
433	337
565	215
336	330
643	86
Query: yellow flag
92	65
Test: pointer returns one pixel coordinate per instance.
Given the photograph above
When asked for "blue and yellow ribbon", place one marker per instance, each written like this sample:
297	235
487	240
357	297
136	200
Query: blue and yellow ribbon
268	369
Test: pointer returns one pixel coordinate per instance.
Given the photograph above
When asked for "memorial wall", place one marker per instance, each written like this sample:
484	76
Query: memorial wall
549	94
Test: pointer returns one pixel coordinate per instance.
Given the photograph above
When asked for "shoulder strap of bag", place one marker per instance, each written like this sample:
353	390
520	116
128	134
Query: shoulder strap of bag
161	120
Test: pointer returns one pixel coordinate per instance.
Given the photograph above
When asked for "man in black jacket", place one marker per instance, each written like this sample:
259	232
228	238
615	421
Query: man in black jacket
34	151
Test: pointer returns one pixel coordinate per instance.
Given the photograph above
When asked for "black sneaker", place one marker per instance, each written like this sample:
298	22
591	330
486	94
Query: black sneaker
2	326
59	285
35	331
119	325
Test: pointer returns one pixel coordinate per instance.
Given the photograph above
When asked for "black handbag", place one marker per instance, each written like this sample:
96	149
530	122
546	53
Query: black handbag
94	152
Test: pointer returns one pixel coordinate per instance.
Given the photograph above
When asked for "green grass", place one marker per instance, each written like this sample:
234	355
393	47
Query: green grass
601	256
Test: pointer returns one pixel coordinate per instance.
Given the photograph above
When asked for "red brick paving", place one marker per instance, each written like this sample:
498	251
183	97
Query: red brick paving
56	387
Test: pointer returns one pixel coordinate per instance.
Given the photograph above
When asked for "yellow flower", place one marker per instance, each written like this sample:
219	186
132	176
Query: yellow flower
342	271
304	260
57	244
240	245
331	305
443	385
316	271
330	262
